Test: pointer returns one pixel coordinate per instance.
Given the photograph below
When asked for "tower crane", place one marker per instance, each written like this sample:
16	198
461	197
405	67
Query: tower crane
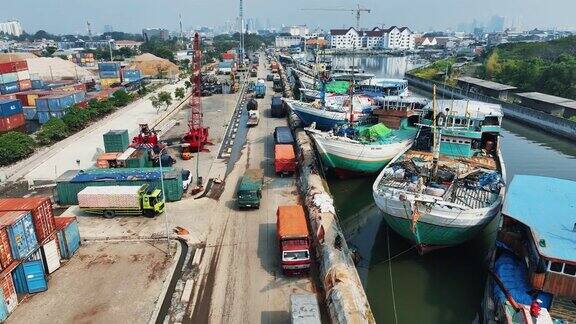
358	10
197	136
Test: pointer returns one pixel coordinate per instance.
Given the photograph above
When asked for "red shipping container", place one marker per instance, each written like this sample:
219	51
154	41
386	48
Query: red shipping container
25	85
8	96
23	97
11	67
5	252
42	213
228	56
8	289
80	87
11	122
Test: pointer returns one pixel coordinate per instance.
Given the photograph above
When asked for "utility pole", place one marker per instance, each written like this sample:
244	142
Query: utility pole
241	32
181	30
89	30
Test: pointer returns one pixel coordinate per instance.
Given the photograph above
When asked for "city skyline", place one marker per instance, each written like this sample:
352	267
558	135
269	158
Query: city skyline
421	16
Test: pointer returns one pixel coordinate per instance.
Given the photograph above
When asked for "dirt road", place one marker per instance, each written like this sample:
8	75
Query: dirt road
240	279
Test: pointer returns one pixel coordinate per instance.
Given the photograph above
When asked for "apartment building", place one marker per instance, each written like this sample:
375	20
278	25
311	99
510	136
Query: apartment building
400	38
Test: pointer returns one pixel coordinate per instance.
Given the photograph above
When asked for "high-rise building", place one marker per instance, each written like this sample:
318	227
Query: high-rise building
496	24
149	33
11	27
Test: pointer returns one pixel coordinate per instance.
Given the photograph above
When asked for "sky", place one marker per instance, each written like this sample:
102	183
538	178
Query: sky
70	16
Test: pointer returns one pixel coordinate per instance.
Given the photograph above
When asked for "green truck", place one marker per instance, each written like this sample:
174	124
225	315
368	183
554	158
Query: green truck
111	201
249	190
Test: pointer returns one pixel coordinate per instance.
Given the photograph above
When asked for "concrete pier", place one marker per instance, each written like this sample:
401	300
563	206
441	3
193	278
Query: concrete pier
344	294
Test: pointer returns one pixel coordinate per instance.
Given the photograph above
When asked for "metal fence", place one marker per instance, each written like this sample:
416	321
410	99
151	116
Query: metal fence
547	122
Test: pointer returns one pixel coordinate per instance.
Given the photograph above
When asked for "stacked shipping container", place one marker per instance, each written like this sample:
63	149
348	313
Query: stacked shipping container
56	105
11	115
30	240
14	77
109	74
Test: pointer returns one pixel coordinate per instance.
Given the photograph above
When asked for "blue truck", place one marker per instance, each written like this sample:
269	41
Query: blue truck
260	90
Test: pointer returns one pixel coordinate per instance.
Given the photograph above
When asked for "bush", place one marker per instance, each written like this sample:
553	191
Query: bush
54	130
121	98
15	146
77	118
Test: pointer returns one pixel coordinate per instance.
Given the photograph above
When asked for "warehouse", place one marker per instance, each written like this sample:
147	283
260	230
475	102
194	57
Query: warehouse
553	105
485	87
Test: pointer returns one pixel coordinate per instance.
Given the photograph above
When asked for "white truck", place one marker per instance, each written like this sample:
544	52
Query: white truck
253	118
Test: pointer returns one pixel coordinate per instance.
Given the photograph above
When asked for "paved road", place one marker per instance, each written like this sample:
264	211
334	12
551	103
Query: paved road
86	145
240	278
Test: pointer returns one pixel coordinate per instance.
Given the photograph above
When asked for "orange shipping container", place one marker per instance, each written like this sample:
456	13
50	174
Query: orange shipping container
8	289
5	252
25	84
107	160
284	158
41	210
291	222
12	122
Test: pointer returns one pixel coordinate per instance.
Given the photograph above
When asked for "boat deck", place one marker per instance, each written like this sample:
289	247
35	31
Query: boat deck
460	191
475	161
564	309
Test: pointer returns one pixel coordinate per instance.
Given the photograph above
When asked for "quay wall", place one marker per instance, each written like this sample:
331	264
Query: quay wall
546	122
345	297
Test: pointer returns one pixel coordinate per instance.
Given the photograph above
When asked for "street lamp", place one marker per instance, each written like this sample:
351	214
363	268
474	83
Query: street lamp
164	196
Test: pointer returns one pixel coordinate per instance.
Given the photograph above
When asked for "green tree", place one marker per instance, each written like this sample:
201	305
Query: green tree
187	84
156	102
54	130
15	146
165	98
179	93
76	118
121	98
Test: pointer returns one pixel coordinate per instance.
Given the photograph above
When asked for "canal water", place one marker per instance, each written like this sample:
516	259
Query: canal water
444	286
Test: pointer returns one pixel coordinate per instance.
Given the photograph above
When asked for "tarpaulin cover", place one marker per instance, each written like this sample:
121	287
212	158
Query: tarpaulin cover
514	275
291	222
113	196
339	87
376	132
284	152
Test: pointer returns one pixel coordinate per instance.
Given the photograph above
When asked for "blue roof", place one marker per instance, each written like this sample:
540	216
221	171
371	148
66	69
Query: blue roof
548	207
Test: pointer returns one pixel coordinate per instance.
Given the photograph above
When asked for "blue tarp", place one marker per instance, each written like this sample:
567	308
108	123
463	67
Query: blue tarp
118	175
513	273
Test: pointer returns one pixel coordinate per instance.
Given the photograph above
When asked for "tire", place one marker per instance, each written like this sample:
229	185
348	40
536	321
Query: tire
109	214
149	214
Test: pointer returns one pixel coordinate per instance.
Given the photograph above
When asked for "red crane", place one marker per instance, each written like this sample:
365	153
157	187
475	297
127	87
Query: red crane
197	135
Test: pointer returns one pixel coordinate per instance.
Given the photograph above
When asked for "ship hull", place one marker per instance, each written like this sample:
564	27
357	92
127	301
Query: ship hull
437	225
348	158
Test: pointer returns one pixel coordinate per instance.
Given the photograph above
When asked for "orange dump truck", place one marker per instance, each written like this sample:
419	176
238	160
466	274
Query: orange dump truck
293	240
284	159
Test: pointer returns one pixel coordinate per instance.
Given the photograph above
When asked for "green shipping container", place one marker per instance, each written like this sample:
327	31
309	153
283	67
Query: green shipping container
138	159
66	192
116	140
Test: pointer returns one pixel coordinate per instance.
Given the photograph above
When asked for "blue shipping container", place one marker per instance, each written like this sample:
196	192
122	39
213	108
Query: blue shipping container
9	88
21	233
44	117
29	277
30	113
3	309
8	78
38	84
9	107
79	96
109	74
109	66
42	104
69	239
65	102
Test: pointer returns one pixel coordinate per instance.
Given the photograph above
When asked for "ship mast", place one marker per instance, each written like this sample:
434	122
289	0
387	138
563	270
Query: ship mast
436	136
351	120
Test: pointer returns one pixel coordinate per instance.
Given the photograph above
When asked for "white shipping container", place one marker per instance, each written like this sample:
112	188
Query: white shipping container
23	75
51	255
112	196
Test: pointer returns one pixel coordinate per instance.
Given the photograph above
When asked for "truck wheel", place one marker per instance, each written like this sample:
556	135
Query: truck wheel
109	214
149	214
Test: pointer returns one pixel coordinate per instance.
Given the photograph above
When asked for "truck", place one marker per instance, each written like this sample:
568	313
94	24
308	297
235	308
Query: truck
277	107
253	72
249	190
260	90
284	159
253	118
277	84
111	201
274	67
293	240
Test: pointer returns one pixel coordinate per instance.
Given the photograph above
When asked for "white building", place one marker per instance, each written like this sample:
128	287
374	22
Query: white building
12	27
287	41
296	30
400	38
